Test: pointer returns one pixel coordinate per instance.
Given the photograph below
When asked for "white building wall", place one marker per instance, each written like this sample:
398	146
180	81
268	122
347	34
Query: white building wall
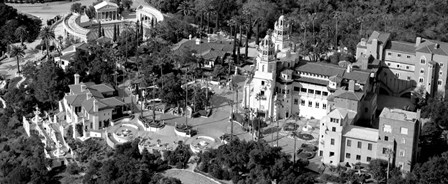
330	140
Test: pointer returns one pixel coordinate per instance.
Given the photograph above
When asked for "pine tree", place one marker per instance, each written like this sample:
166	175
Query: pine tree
99	29
115	33
141	31
118	31
137	31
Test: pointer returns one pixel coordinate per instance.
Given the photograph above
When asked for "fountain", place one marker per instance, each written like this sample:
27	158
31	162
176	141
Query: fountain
306	132
307	127
202	143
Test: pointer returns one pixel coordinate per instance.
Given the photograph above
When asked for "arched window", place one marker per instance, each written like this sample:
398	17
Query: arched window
423	60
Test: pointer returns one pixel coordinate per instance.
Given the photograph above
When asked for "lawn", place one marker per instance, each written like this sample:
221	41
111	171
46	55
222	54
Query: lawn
188	177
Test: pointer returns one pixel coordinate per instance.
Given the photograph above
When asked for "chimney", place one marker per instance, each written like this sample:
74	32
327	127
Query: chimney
198	41
189	37
351	85
88	96
349	68
436	46
208	39
374	52
95	105
418	41
83	87
76	78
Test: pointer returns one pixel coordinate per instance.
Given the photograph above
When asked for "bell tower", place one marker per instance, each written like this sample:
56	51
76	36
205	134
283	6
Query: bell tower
281	34
266	61
263	83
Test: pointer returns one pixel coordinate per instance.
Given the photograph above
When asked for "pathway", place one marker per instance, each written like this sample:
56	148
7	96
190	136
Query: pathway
3	102
20	82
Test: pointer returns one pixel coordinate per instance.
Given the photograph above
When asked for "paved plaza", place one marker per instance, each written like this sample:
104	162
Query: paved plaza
218	124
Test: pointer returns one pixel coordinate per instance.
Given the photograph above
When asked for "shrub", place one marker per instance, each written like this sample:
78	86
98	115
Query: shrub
73	169
216	172
179	165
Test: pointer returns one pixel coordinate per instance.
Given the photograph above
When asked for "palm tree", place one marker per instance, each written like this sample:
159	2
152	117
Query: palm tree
278	104
360	20
235	90
60	38
337	16
295	145
18	52
47	35
233	25
259	97
231	119
21	33
185	8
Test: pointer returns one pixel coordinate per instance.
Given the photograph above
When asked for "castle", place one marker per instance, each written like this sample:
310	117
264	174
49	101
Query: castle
343	97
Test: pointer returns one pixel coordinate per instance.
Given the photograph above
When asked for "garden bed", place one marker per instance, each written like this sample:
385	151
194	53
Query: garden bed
150	123
185	130
290	127
307	151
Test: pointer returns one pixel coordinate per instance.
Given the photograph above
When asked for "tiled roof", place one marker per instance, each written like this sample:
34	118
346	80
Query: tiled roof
362	133
356	96
88	105
357	75
76	100
428	46
331	70
71	48
111	102
312	81
104	39
338	113
68	56
102	88
207	49
320	68
402	46
382	37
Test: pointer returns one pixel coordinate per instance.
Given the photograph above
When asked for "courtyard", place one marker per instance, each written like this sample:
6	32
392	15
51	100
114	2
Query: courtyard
210	129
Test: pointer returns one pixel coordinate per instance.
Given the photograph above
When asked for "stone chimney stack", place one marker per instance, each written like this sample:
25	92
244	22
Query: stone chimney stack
88	96
349	68
375	48
418	41
351	85
208	39
189	37
76	78
83	87
95	106
198	41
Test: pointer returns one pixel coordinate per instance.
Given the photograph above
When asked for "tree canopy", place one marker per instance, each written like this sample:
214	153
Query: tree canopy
252	162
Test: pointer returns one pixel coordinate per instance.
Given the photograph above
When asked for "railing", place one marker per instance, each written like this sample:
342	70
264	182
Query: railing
70	23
